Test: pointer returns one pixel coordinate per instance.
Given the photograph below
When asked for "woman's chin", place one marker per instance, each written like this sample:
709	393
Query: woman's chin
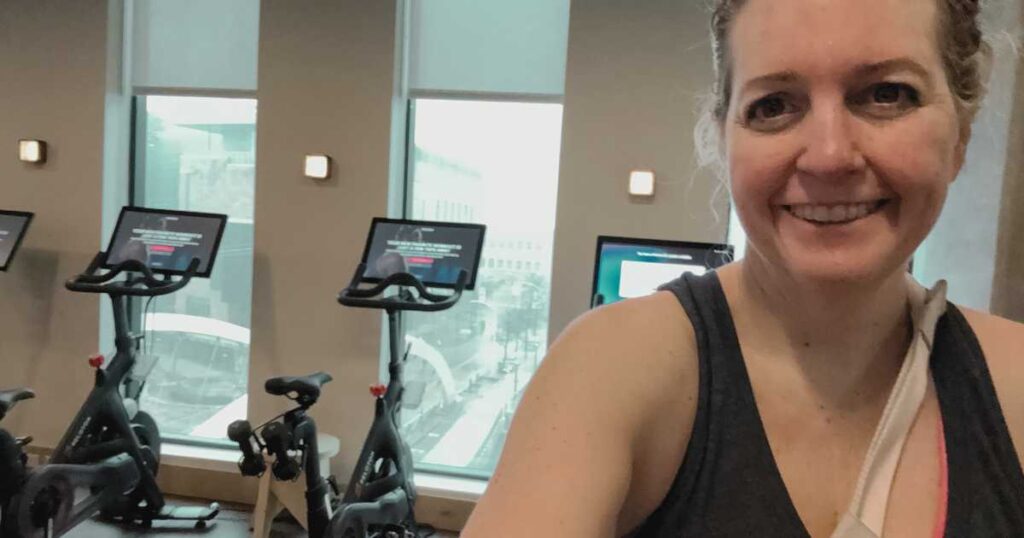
842	268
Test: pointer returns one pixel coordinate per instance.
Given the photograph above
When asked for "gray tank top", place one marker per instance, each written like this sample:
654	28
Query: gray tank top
729	485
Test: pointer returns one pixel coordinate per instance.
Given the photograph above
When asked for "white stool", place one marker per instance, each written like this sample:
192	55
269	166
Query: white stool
274	495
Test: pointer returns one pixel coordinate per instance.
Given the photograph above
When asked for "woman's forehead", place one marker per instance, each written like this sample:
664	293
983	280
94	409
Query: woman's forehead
821	36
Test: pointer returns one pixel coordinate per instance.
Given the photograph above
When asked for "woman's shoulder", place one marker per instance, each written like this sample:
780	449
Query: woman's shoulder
1002	340
641	338
1002	343
644	341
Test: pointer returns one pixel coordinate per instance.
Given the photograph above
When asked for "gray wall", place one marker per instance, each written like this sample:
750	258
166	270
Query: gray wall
326	81
963	248
52	87
632	83
1008	282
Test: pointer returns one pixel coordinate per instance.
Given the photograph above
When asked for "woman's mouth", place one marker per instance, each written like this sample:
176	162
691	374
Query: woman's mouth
834	213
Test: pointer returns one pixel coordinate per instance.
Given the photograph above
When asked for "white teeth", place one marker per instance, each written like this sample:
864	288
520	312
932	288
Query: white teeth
833	213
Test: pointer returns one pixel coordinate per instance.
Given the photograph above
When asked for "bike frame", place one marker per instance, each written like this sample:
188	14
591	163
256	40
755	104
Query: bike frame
105	408
77	462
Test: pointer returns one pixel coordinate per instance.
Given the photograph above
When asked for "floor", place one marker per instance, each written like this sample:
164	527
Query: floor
231	523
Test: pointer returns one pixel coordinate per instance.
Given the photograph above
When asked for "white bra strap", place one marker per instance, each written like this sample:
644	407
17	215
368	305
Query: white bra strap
865	517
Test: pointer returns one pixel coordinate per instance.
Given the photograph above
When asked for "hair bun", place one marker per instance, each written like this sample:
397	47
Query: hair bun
970	8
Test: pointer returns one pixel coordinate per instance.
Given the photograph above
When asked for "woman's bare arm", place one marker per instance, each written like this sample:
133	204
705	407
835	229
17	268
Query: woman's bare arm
568	461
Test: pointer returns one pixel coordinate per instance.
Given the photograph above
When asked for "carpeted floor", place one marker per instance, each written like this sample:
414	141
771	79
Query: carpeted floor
233	522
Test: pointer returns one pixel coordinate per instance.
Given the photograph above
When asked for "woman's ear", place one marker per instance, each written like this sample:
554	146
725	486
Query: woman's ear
961	147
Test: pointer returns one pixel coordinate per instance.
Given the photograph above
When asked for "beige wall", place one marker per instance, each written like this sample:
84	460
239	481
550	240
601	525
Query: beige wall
326	81
632	81
52	86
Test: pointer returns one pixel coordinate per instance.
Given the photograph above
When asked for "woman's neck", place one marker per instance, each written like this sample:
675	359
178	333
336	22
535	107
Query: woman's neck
846	337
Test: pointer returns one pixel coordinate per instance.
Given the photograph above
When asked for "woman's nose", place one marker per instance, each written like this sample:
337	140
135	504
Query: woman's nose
831	146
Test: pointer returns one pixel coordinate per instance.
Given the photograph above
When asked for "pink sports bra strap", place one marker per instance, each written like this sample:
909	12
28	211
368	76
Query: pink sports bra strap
943	500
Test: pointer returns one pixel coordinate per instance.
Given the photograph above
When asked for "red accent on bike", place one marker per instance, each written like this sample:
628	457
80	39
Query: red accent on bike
96	361
378	390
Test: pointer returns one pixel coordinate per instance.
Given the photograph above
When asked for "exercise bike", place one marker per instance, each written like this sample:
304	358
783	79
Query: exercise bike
13	459
111	451
379	501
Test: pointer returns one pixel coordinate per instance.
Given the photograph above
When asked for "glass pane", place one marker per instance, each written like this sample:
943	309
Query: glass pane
199	154
493	163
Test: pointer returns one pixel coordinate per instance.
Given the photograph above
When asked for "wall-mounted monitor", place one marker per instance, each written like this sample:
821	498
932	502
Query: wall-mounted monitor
627	267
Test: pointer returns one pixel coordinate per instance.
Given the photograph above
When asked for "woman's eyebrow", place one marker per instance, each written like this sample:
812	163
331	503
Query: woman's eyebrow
864	70
772	79
890	66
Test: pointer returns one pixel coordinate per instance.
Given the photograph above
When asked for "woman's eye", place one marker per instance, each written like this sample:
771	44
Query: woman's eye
770	111
887	93
890	97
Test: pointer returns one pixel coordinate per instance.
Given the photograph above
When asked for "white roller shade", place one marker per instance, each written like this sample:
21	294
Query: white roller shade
200	44
496	46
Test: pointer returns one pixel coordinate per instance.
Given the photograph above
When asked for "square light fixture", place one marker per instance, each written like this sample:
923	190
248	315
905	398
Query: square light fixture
641	183
318	166
32	151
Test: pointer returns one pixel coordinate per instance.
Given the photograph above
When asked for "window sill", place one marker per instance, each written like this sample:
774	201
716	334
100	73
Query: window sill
448	487
195	457
226	460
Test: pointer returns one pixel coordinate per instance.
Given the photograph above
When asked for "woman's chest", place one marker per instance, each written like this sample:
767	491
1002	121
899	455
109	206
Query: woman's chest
818	442
819	455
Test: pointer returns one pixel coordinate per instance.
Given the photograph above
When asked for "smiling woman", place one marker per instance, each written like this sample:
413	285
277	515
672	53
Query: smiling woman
854	120
789	393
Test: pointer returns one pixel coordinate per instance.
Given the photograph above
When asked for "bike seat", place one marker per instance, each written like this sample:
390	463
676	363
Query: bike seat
307	387
10	397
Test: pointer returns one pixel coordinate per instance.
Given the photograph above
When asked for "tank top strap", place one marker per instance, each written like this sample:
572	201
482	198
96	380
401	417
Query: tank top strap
728	483
985	480
706	307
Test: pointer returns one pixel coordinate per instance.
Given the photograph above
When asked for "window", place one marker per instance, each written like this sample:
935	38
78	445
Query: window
497	162
198	154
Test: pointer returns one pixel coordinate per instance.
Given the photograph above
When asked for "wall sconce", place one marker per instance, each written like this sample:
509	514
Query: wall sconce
32	151
641	183
318	166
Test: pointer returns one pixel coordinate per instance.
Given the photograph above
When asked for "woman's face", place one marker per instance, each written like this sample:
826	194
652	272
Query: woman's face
842	135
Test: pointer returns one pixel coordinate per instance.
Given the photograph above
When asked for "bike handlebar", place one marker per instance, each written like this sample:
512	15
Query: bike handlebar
146	285
372	297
